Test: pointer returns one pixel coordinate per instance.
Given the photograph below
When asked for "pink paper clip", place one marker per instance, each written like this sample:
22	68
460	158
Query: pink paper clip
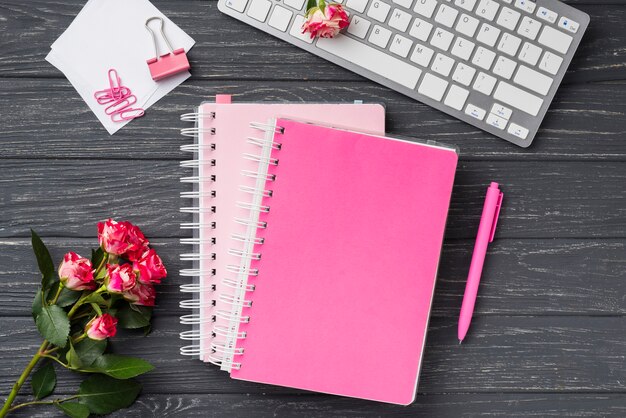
127	114
119	98
120	105
166	65
115	83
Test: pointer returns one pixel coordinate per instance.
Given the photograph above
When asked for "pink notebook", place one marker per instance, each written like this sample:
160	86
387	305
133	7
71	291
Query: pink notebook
336	281
224	138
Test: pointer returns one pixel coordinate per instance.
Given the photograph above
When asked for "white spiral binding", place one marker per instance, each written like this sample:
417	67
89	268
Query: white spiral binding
236	287
197	272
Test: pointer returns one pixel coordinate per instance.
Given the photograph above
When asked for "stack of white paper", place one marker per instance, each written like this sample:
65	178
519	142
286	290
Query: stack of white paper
111	34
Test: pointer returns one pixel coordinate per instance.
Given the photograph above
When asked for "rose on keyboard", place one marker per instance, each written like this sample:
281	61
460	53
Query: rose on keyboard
324	20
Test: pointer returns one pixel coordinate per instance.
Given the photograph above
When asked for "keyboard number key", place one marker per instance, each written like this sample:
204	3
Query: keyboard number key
487	9
433	87
463	74
380	36
280	18
401	46
466	4
550	63
378	10
359	26
456	97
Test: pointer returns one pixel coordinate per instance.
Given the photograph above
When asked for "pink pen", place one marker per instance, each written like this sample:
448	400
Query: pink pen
486	231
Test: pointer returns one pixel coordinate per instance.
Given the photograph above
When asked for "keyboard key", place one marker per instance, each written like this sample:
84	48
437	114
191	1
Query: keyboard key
496	121
296	4
446	15
509	44
280	18
404	3
568	24
487	9
356	5
238	5
442	39
462	48
378	10
467	25
504	67
525	5
433	87
508	18
533	80
550	63
529	28
484	83
399	20
483	58
530	53
401	45
475	111
380	36
463	74
547	15
371	59
425	7
555	39
422	55
466	4
518	98
518	131
499	110
359	26
488	34
442	65
456	97
420	29
296	30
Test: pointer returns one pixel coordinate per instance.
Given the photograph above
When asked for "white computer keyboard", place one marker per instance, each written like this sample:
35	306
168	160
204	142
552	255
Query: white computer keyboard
495	64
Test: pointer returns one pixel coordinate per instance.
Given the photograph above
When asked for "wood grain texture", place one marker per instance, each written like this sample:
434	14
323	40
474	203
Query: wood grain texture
320	406
521	277
228	49
546	353
579	124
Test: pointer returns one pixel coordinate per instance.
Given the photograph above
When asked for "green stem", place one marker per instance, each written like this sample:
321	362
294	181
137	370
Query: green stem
22	379
56	359
22	405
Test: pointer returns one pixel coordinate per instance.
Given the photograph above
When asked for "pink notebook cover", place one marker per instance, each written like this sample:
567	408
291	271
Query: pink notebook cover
349	263
231	130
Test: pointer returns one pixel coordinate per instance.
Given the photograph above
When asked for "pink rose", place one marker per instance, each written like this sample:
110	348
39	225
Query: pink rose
120	278
150	268
325	21
76	272
141	294
101	327
122	238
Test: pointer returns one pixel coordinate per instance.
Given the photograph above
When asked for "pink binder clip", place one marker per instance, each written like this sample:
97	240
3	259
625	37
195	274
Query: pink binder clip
166	65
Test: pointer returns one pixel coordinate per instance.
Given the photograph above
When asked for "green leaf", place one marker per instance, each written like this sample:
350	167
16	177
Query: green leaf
73	359
46	266
89	350
310	4
73	409
67	297
53	325
37	304
44	380
96	298
121	367
132	316
103	394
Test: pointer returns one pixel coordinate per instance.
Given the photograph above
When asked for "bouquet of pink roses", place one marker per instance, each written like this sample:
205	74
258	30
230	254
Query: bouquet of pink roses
80	306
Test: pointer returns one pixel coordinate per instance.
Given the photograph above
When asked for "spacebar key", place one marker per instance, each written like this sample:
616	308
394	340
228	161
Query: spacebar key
371	59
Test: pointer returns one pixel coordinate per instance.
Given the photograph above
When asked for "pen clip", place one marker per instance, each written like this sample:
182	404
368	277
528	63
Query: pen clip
495	217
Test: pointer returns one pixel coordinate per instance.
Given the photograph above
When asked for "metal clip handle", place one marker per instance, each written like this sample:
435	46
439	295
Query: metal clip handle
154	40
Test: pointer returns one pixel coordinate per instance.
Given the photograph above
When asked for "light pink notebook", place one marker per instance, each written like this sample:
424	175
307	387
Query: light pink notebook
225	138
342	262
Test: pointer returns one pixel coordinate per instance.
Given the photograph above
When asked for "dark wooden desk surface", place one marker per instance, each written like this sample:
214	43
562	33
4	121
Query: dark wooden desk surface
549	334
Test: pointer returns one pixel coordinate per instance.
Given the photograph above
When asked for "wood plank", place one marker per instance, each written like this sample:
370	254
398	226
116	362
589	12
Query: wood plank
46	119
501	354
65	198
229	50
521	277
320	406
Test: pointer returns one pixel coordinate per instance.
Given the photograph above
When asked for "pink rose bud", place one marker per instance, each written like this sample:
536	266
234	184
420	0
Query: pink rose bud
150	268
141	294
120	278
122	238
325	22
101	327
76	272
